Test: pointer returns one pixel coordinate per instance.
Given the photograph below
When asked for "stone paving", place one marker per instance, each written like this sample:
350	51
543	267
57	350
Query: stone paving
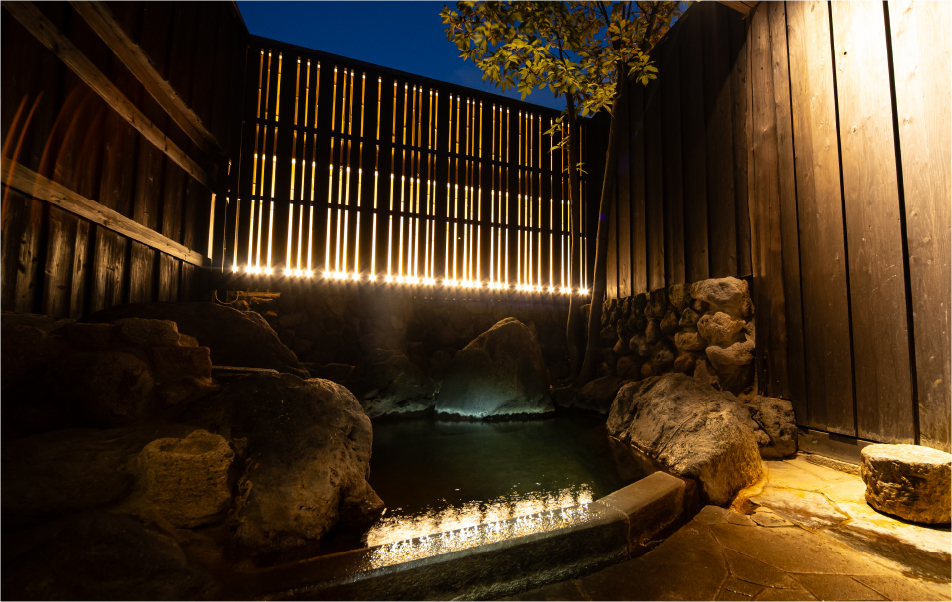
808	535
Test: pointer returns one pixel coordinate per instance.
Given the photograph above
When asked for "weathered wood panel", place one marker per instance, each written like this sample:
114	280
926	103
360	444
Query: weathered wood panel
693	149
921	65
655	226
765	213
822	247
793	387
718	141
671	162
635	120
874	236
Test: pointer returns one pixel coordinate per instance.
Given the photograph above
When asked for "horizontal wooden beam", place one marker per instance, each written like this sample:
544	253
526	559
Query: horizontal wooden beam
29	182
47	34
742	7
102	21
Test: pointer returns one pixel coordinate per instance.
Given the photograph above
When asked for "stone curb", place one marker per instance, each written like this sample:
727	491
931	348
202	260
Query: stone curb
565	545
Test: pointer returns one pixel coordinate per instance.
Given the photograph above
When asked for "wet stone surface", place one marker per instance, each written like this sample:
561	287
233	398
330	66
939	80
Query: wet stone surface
811	537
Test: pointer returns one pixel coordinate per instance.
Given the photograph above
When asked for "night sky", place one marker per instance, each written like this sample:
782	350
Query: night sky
401	35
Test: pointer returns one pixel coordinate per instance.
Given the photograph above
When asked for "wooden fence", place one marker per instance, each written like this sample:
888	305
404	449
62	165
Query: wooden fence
353	171
850	214
117	128
680	213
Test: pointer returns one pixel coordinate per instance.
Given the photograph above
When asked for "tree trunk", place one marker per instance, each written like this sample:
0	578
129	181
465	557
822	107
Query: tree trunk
590	364
572	324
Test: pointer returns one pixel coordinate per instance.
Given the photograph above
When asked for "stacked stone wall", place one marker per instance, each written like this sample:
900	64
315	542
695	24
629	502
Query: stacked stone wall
704	330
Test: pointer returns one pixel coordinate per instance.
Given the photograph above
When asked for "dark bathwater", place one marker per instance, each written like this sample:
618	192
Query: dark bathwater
437	475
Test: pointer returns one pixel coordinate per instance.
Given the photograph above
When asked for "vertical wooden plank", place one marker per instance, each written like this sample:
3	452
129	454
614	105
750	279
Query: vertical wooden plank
693	152
58	266
765	216
282	167
718	133
795	386
639	236
141	272
670	82
871	194
920	54
156	22
384	167
822	247
102	272
15	217
81	269
738	59
654	201
165	275
611	259
628	243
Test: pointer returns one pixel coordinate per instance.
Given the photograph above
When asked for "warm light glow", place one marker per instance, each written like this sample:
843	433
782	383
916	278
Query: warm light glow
400	280
356	276
267	271
583	291
327	274
234	268
372	277
389	278
308	273
450	282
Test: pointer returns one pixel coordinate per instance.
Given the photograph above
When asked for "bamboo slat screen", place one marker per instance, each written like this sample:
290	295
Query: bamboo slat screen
355	172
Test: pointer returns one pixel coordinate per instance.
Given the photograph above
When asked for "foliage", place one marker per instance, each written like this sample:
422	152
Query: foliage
572	48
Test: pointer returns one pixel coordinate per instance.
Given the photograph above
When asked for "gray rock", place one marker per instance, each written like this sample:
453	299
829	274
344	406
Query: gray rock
909	481
669	324
738	354
629	368
657	304
564	397
113	388
638	344
662	357
234	338
689	341
185	480
500	372
776	419
598	395
99	556
653	333
337	373
305	447
387	382
728	295
720	329
688	319
692	430
679	296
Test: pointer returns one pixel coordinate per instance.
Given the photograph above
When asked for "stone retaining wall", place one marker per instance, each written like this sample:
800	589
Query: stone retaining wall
704	329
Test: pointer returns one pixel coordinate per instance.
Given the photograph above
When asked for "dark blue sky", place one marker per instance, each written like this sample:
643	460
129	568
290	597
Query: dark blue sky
401	35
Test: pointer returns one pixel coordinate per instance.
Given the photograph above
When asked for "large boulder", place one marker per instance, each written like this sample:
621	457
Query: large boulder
387	382
66	471
102	375
100	556
909	481
690	429
235	338
501	372
597	395
185	480
305	447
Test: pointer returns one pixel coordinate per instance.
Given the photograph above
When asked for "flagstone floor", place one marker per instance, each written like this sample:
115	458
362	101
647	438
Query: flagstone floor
809	536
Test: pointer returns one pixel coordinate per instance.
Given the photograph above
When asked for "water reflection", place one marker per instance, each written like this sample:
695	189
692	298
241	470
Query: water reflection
477	535
401	526
440	476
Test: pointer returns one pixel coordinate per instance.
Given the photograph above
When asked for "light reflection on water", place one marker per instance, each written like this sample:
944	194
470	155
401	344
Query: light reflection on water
477	535
439	476
399	526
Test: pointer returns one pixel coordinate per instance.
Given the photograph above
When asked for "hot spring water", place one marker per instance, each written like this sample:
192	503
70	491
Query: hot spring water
436	475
